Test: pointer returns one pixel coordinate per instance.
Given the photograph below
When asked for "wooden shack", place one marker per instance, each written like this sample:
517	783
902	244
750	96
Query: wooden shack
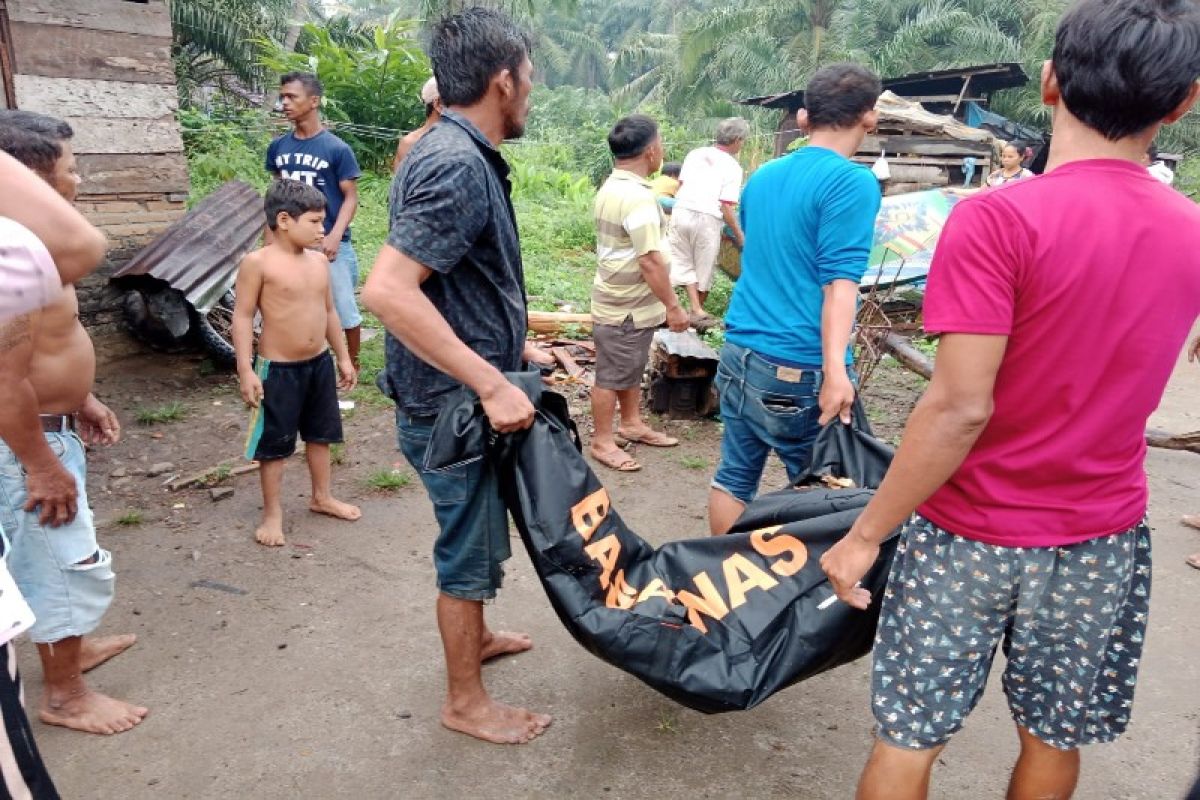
921	126
105	67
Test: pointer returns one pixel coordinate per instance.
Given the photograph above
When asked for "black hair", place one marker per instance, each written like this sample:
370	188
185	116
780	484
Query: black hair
39	153
672	169
293	198
1124	65
630	137
429	108
42	124
311	83
469	48
839	95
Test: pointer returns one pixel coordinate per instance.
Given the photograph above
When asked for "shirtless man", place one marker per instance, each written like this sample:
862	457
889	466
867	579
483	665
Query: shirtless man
433	112
47	366
291	385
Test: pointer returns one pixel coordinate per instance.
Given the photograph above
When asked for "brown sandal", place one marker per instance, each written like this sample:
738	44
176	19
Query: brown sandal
651	438
617	460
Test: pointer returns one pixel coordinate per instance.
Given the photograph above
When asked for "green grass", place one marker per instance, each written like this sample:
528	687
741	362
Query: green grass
337	453
694	462
371	362
217	475
155	415
388	480
131	517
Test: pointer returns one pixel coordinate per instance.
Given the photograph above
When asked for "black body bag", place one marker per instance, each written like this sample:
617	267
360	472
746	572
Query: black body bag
717	624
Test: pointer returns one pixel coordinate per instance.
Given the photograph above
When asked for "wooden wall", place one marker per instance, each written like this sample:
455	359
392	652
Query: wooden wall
105	67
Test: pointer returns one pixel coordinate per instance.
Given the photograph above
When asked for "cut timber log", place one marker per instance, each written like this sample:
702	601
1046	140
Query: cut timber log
906	354
1167	441
555	322
919	363
568	363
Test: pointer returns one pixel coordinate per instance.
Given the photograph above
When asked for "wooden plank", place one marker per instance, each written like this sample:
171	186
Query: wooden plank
924	145
60	52
78	97
126	135
126	173
149	18
1182	441
568	363
6	58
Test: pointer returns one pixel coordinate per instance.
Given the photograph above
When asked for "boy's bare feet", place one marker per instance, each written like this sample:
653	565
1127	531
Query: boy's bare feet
92	712
495	722
270	533
334	508
504	643
95	650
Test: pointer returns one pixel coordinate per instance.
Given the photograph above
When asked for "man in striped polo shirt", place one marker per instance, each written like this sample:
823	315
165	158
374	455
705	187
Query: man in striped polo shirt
632	293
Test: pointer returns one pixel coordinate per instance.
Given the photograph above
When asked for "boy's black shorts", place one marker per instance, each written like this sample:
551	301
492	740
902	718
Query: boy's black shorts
298	396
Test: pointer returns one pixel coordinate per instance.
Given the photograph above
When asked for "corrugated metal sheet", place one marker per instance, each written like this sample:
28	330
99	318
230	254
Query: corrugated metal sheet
199	254
987	78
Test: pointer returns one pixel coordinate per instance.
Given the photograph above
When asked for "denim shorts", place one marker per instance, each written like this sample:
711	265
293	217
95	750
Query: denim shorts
343	277
764	407
1071	621
67	595
473	540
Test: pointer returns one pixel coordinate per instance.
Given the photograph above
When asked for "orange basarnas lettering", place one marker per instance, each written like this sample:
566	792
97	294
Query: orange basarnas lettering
741	575
779	545
588	513
605	551
709	602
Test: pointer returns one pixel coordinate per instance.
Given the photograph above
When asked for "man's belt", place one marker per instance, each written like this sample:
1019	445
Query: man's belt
58	423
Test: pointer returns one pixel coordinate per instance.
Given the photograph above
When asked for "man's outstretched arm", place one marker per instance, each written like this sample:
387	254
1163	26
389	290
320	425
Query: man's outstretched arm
940	433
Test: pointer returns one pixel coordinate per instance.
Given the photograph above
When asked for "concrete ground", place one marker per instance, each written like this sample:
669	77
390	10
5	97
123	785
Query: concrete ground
314	671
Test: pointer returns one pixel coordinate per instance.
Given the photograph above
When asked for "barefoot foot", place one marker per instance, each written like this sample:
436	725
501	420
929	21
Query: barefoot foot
504	643
497	723
95	650
92	712
270	533
335	508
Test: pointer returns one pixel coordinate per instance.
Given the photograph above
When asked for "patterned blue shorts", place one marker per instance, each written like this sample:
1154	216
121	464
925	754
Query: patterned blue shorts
1071	621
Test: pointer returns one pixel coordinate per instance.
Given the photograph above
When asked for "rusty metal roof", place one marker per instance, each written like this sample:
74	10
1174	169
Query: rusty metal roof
986	78
199	254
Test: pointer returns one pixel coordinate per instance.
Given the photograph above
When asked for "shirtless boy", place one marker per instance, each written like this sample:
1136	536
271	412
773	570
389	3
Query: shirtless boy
291	385
47	366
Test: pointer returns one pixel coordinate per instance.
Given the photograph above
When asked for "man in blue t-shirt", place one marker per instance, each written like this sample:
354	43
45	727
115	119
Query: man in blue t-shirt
809	219
312	154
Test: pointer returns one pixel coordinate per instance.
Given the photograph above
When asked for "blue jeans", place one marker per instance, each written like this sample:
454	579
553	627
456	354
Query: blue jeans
473	541
343	277
764	407
68	595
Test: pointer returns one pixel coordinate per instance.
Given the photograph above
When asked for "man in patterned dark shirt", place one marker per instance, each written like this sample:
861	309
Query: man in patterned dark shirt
450	288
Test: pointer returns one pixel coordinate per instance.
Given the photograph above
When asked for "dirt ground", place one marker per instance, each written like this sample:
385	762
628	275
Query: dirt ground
314	670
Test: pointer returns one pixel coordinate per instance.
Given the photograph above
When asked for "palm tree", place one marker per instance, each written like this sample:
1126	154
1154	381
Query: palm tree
214	41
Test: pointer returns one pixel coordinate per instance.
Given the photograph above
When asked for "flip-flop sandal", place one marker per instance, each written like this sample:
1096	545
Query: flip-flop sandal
1193	560
651	439
617	460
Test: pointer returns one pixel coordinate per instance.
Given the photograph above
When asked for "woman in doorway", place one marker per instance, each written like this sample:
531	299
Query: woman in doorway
1010	167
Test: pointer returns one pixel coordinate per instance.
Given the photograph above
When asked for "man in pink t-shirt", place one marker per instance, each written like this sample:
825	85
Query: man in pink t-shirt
1063	302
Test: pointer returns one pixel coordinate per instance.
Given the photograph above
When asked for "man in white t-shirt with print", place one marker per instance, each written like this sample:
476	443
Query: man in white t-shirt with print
709	186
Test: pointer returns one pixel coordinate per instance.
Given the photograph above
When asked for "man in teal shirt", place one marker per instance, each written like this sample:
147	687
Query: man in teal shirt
809	219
